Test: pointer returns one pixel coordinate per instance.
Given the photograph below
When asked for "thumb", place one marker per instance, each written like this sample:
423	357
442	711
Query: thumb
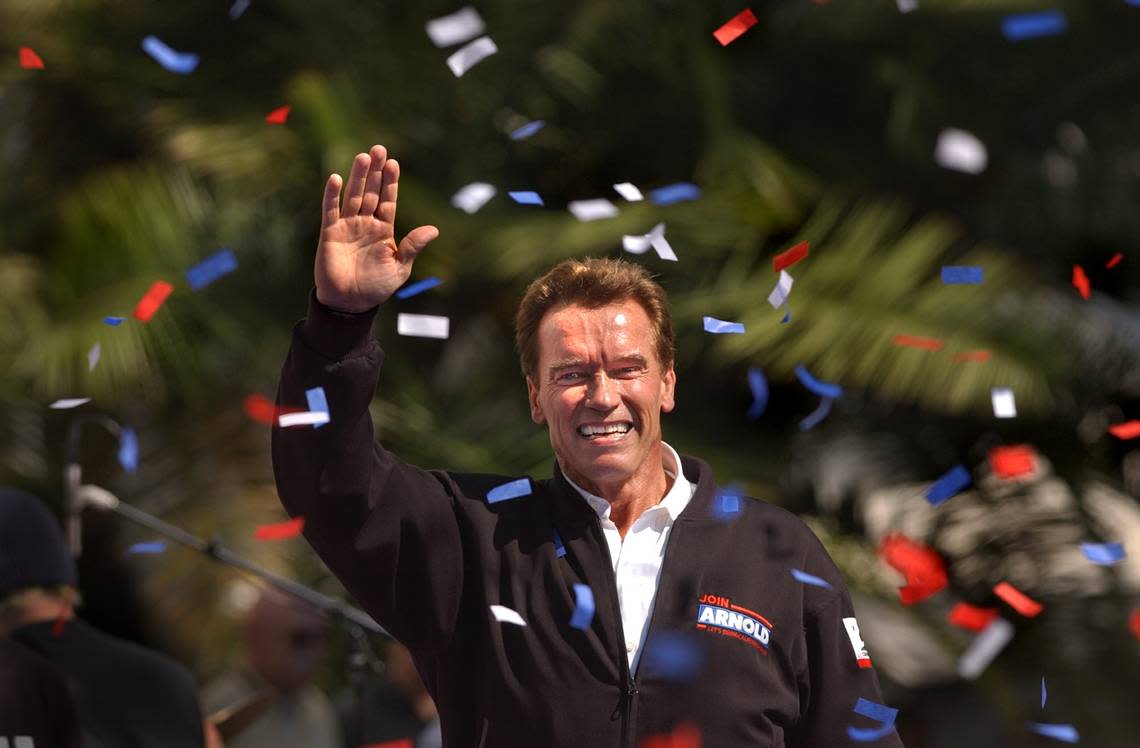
415	241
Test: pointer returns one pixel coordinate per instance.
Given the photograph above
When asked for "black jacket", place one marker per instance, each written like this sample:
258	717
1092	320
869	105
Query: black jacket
425	554
35	700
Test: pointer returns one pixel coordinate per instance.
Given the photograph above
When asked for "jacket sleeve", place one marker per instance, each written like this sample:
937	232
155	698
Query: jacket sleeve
386	529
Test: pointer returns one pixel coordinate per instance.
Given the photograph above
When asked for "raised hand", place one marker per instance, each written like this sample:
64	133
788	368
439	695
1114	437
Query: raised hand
359	264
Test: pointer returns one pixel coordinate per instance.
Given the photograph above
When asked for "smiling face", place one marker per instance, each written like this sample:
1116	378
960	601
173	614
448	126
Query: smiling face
600	389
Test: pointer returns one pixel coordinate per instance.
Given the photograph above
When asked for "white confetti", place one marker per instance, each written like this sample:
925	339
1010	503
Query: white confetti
471	55
629	192
984	648
655	238
93	356
961	151
471	197
69	402
780	293
503	614
423	325
1004	404
458	27
305	418
592	210
906	6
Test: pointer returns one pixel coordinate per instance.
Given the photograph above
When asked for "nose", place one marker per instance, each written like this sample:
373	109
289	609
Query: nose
602	392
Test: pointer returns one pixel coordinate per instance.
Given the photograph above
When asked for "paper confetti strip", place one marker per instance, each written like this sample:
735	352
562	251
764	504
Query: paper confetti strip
813	419
512	490
629	192
804	578
93	356
758	384
525	197
950	484
210	269
1114	261
923	567
280	530
418	287
423	326
780	293
655	238
153	546
559	546
318	404
1018	600
471	197
884	715
823	389
720	326
958	275
29	60
460	26
675	193
128	449
1013	462
972	356
68	403
592	210
786	259
583	607
1126	430
1104	554
1022	26
114	321
152	300
303	418
735	26
910	341
530	128
1044	694
239	7
961	151
1064	733
278	116
984	648
1004	403
182	63
261	409
471	55
503	614
1081	282
971	617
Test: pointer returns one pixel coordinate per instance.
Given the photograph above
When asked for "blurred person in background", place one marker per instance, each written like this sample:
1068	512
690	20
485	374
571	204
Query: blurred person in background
124	694
271	702
391	706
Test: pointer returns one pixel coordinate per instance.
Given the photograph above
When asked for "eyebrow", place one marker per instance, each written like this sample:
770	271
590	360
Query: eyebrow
574	363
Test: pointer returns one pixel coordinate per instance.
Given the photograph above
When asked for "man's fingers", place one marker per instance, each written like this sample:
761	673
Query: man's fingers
386	211
374	180
354	195
330	205
415	241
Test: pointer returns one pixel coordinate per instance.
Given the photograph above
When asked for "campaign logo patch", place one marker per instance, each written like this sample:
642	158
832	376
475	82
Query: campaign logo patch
861	656
718	615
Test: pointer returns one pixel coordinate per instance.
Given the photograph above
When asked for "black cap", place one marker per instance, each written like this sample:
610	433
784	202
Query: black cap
32	549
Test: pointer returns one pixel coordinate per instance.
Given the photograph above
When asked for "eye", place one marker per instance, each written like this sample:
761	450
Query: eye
569	377
629	371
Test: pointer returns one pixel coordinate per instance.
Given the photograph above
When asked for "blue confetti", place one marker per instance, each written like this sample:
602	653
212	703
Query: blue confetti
823	389
1064	733
113	321
812	419
526	197
210	269
128	449
317	403
759	386
511	490
153	546
1042	692
418	287
530	128
804	577
559	547
726	503
787	315
182	63
865	735
962	275
672	656
583	607
675	193
1105	554
719	326
884	715
950	484
1023	26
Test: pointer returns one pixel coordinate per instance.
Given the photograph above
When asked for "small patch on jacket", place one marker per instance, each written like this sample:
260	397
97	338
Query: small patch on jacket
861	656
717	614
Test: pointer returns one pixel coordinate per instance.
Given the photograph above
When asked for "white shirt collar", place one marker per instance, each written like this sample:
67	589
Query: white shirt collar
674	501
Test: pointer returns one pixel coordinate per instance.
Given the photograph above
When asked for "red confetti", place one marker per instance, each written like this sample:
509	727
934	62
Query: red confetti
1013	461
924	569
261	409
684	735
1081	281
736	26
1126	430
972	356
278	115
1116	258
971	617
402	743
786	259
29	60
280	530
152	300
1134	623
1018	600
910	341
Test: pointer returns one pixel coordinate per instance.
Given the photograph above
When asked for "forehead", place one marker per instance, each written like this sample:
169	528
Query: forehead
615	329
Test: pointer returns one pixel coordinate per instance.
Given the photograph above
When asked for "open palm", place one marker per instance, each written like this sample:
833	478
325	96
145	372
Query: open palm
359	264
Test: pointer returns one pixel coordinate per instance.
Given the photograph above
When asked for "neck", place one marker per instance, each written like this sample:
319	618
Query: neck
631	496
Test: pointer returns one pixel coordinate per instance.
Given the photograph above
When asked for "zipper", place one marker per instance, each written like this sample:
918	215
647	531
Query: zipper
629	692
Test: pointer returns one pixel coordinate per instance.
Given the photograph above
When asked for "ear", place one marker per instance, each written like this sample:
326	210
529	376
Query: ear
536	413
669	386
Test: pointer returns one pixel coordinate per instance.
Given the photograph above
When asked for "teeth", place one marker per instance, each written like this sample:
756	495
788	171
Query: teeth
609	428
